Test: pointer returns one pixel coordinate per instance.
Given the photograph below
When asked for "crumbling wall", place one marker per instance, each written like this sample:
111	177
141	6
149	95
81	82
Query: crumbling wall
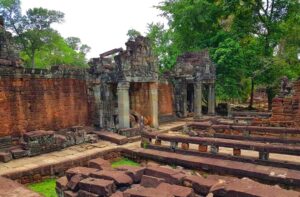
140	100
32	102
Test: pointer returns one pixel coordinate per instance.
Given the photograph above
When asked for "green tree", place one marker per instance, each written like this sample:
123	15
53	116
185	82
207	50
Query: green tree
132	34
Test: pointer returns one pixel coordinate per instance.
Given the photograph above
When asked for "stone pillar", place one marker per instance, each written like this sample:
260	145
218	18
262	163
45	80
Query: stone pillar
123	104
184	91
198	100
154	104
211	99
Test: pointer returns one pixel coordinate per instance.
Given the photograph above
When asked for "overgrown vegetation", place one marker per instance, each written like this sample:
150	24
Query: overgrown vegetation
253	43
124	162
41	46
45	188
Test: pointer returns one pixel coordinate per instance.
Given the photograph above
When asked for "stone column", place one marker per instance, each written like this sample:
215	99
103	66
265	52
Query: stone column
154	104
198	100
184	104
211	99
123	104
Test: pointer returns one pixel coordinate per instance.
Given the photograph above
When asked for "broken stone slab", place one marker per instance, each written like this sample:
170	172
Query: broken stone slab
5	157
134	172
120	178
84	171
100	187
19	153
246	187
199	184
37	135
112	137
82	193
11	188
171	176
100	164
61	185
150	181
146	192
73	184
176	190
117	194
70	194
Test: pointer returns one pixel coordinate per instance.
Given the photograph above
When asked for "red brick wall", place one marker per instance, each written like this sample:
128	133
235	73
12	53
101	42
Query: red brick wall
37	103
140	99
165	99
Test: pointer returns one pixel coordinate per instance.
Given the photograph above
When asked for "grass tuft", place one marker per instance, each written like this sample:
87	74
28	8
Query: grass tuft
124	162
45	188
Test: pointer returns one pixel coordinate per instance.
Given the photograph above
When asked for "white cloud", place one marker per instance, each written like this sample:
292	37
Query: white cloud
101	24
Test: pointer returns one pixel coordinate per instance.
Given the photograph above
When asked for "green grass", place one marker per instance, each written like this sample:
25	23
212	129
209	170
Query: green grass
45	188
124	162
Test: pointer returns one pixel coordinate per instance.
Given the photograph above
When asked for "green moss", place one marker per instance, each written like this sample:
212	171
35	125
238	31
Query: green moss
124	162
45	188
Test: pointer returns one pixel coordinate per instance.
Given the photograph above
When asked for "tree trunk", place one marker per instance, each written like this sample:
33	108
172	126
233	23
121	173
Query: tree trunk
32	59
270	94
252	94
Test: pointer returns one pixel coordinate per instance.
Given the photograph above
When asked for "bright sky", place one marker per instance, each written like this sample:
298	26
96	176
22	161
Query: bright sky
101	24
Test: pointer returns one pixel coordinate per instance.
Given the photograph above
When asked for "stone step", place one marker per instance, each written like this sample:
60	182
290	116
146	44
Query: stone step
112	137
264	173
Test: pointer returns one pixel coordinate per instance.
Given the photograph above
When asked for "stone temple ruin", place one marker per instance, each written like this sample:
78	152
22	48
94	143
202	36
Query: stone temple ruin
71	122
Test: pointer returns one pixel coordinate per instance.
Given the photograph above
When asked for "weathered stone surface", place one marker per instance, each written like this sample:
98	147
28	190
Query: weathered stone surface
10	188
70	194
74	181
85	172
170	175
19	153
82	193
5	157
35	102
150	181
134	172
112	137
176	190
117	194
98	186
246	187
199	184
146	192
120	178
61	183
99	163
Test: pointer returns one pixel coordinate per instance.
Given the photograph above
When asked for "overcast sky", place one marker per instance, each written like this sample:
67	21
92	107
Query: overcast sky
101	24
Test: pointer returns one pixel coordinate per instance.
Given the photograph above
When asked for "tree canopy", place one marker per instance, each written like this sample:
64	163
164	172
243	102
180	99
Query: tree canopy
41	46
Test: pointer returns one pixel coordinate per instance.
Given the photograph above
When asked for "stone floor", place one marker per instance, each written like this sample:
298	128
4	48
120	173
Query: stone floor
73	152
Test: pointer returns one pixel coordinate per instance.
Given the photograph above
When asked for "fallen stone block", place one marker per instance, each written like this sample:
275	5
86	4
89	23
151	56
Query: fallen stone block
5	157
112	137
176	190
70	194
171	176
120	178
61	185
199	184
100	187
117	194
134	172
19	153
100	164
73	184
82	193
246	187
146	192
150	181
85	172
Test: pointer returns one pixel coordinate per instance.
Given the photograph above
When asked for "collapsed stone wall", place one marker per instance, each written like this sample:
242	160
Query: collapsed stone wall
41	101
285	110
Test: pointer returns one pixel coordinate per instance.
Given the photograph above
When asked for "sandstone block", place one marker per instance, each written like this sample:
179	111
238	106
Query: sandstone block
199	184
100	164
170	175
176	190
5	157
146	192
120	178
85	172
134	172
100	187
150	181
74	181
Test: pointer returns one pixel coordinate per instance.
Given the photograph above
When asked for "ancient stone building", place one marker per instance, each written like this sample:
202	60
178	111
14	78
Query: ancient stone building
129	88
191	74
